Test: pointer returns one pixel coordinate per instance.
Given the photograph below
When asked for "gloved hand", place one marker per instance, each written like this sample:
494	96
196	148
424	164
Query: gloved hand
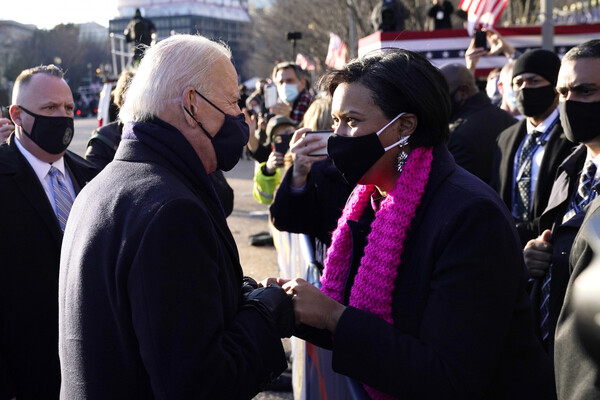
248	285
275	306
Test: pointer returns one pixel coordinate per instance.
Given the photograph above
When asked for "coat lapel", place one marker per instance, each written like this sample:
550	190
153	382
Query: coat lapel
32	190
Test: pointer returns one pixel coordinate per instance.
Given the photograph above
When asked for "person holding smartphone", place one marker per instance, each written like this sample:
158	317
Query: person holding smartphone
268	176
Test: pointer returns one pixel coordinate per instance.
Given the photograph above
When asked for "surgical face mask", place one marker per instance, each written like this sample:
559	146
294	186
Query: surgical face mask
288	92
257	109
51	134
354	156
511	98
230	140
491	88
580	121
532	102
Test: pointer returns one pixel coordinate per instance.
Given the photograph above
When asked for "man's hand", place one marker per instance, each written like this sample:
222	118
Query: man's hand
472	55
538	254
498	44
275	306
281	109
6	128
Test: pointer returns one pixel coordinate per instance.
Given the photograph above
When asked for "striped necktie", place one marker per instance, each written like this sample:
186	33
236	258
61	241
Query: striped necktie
62	197
579	203
584	190
523	200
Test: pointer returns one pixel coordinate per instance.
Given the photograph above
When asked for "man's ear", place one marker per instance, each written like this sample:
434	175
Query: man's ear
407	124
189	102
15	115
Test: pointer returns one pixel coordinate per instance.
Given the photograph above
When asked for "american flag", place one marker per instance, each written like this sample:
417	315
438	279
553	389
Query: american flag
337	52
482	13
303	62
449	45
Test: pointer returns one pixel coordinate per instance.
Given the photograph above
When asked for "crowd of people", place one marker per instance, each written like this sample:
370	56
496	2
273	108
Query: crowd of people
447	228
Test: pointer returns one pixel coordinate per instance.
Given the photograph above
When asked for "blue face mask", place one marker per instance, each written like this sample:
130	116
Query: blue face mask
230	140
511	99
288	92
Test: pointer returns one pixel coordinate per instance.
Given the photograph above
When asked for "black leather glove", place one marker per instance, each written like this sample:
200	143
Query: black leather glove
275	306
248	285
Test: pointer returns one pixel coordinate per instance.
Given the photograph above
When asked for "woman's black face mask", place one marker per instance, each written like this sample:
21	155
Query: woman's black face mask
354	156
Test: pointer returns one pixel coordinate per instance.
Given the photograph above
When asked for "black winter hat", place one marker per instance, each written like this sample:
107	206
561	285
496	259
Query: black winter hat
542	62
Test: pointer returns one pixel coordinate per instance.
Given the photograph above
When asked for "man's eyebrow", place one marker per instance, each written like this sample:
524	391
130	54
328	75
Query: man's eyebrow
578	87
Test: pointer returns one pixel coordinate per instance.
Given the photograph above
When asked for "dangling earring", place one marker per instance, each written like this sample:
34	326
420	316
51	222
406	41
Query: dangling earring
403	156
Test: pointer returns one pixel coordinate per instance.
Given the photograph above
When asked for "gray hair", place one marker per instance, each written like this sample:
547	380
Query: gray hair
166	70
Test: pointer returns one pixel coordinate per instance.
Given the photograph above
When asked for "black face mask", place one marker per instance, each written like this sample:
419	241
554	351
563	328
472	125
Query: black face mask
51	134
230	140
580	121
354	156
532	102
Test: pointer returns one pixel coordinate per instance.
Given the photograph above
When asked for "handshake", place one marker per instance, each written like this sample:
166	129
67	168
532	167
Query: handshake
272	302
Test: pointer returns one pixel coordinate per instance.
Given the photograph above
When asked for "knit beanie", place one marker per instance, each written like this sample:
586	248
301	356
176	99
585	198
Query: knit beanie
542	62
276	121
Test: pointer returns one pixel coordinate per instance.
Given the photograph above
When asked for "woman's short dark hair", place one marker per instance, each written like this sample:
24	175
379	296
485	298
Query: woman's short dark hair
401	81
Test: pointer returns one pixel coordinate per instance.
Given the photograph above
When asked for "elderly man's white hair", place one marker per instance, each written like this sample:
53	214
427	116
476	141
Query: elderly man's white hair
166	70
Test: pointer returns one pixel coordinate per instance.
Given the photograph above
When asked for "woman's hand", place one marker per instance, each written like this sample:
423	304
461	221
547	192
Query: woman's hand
312	307
272	281
301	146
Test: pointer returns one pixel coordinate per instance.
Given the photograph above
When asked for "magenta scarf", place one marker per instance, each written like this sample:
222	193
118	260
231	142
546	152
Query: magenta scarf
374	282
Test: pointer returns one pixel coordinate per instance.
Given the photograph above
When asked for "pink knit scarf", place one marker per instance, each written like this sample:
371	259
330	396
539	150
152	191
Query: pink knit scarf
374	282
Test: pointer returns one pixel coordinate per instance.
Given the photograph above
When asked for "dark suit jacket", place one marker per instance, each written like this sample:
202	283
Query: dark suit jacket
577	375
462	319
150	284
562	239
556	150
473	134
30	240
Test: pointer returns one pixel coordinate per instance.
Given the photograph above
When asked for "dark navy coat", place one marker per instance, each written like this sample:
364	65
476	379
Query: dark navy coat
463	326
150	298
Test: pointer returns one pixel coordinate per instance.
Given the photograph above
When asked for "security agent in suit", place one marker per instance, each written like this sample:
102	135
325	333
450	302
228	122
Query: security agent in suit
529	153
475	122
547	257
577	375
31	233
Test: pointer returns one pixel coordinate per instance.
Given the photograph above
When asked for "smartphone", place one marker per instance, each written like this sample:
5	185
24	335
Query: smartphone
323	135
281	143
481	39
270	95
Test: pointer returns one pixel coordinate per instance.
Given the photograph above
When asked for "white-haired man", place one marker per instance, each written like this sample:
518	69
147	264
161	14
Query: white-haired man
151	301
